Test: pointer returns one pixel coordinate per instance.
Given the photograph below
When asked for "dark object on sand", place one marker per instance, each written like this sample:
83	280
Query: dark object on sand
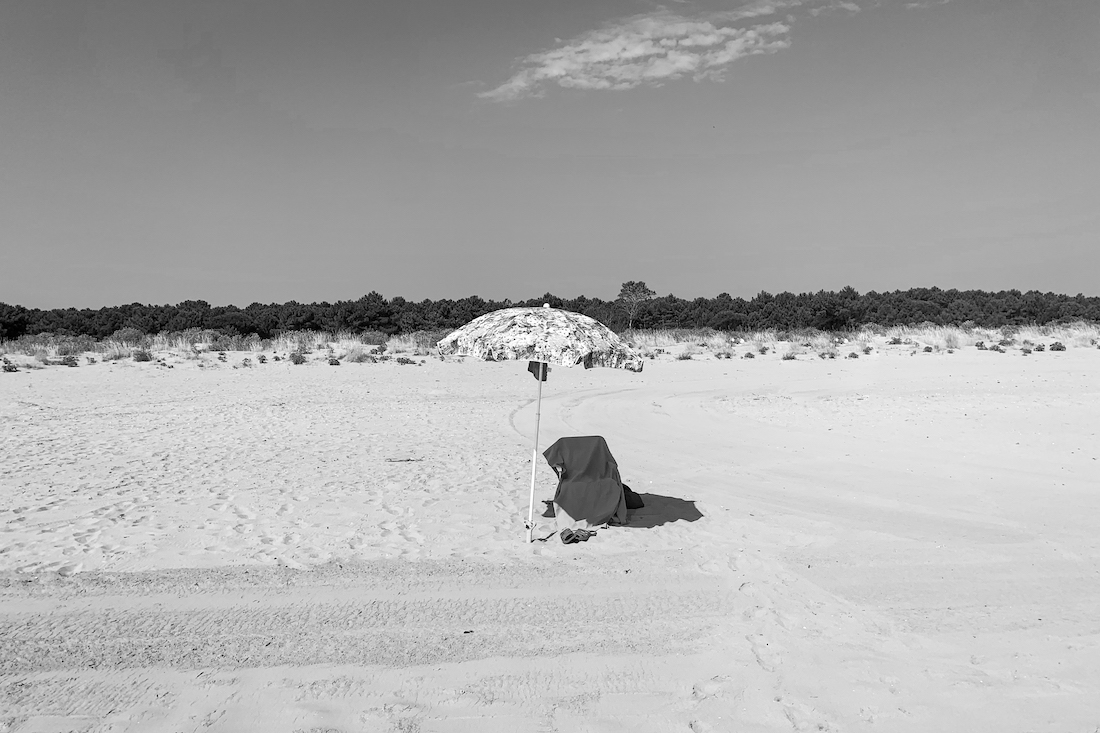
589	487
569	536
633	501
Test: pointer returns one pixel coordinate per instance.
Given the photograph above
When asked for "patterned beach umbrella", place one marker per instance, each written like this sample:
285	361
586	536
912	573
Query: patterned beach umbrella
546	335
542	336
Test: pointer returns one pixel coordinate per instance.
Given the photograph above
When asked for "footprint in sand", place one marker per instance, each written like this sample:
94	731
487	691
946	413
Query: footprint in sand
716	701
87	537
243	513
720	686
804	717
766	655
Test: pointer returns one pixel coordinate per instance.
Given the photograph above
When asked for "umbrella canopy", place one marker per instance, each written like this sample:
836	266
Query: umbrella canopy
542	334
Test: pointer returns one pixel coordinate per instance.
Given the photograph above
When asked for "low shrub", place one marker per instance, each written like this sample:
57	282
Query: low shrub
406	360
357	354
68	360
1025	351
90	359
748	355
980	346
853	355
683	357
1006	342
928	349
866	349
1040	347
894	341
789	356
1057	346
297	357
997	348
333	361
8	366
763	350
262	359
723	355
142	355
246	363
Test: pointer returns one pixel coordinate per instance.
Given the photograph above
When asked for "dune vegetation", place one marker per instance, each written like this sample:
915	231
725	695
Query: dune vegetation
47	349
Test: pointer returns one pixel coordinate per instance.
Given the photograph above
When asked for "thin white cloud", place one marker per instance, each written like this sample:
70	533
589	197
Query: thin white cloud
655	48
850	7
922	4
643	50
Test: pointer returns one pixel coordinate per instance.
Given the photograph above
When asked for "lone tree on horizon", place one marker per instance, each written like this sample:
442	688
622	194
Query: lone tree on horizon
631	297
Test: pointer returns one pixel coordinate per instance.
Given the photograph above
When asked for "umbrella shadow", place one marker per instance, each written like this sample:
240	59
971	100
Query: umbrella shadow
659	510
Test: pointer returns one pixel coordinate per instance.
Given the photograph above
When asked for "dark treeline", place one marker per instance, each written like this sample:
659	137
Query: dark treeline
825	310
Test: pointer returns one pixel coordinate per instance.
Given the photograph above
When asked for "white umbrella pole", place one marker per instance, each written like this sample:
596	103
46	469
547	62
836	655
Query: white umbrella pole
534	459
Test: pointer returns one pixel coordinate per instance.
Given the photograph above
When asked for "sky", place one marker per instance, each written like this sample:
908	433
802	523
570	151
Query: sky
241	151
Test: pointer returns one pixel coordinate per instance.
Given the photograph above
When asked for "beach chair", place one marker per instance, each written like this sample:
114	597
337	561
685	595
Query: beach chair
590	492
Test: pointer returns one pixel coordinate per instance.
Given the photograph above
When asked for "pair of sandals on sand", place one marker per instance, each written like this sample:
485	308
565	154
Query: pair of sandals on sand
569	536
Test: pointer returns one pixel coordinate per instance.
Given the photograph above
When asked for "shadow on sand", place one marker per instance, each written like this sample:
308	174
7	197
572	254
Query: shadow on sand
660	510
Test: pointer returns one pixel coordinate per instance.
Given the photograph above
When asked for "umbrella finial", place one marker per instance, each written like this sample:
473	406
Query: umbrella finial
545	305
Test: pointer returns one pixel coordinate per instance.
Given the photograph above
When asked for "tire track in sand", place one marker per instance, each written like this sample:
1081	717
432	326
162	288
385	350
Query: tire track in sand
394	643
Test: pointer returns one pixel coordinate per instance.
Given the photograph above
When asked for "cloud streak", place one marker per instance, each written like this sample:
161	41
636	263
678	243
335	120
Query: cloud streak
642	50
835	5
925	4
655	48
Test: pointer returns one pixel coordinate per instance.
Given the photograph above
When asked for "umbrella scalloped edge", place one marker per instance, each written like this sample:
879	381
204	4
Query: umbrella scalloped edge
541	334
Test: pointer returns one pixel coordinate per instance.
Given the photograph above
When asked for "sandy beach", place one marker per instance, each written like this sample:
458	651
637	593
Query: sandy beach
898	542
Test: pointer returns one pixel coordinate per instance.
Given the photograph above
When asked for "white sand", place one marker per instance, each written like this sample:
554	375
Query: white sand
897	543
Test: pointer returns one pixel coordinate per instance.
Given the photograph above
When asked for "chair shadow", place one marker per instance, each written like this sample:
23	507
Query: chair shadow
660	510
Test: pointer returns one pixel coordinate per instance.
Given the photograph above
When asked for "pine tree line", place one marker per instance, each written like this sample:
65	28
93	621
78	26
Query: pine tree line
637	306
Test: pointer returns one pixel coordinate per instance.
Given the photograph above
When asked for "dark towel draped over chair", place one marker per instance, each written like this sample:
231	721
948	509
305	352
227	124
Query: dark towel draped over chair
589	487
